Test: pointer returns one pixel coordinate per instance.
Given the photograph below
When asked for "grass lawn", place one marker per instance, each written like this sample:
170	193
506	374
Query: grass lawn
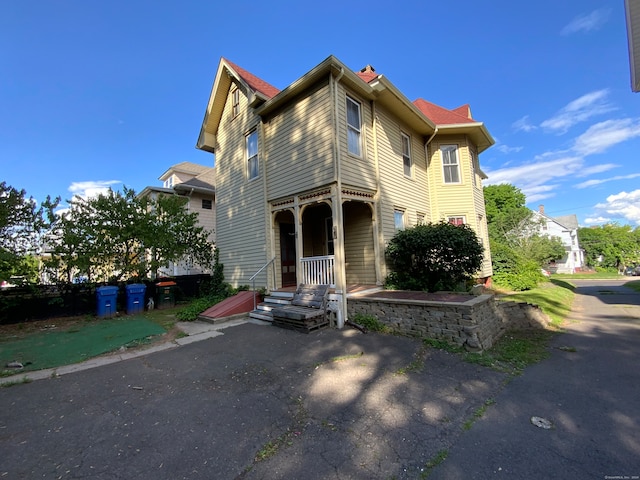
64	341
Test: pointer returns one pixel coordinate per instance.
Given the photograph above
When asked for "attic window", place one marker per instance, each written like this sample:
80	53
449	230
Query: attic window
235	102
207	204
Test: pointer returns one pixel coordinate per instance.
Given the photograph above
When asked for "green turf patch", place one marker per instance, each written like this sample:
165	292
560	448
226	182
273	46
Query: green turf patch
53	348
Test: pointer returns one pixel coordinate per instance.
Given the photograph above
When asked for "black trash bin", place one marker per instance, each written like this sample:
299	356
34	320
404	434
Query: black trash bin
135	297
106	299
165	294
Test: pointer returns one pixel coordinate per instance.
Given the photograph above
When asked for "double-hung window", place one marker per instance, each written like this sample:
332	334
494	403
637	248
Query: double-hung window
450	164
456	220
252	155
354	127
406	153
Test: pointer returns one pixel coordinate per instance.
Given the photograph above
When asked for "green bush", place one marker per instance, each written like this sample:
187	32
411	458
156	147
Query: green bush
526	276
432	257
371	323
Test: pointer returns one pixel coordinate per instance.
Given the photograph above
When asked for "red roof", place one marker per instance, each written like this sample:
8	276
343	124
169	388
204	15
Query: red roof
254	82
442	116
435	113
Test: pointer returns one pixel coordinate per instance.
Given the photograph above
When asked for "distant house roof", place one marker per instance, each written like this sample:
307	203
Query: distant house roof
184	167
568	221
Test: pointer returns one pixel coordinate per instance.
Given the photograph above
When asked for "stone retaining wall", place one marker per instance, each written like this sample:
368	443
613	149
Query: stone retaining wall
475	324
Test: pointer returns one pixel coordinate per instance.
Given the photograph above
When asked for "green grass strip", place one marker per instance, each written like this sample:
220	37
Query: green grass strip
52	348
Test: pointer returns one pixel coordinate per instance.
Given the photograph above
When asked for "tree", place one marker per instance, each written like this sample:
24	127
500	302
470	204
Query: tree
433	257
117	236
611	245
21	224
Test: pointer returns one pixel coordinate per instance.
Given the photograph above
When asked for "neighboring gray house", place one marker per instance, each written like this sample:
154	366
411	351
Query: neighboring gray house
566	229
197	183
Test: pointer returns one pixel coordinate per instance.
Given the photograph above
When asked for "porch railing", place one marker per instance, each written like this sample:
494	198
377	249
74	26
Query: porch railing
319	270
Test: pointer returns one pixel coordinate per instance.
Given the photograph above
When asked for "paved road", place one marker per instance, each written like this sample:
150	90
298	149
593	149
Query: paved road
592	396
259	402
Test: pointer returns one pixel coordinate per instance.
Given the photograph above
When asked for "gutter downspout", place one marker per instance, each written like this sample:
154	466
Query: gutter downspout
341	275
429	173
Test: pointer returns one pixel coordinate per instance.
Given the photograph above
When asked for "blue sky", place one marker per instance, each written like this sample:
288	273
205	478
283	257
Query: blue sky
105	94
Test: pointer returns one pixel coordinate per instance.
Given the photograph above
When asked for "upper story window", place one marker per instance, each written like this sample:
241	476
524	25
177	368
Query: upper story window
354	126
450	164
474	171
406	154
456	220
252	155
168	183
398	219
235	102
207	204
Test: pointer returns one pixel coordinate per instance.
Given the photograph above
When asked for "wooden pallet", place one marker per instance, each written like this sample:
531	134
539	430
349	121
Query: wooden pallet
305	327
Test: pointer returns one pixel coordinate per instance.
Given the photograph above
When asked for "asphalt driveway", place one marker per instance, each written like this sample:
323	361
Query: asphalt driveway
257	402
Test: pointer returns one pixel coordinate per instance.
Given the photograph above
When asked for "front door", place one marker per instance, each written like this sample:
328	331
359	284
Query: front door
288	254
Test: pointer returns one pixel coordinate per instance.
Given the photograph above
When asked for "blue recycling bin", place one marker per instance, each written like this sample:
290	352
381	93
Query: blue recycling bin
135	297
106	299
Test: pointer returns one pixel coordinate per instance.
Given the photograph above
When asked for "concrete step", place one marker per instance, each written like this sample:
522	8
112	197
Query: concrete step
278	300
261	315
278	294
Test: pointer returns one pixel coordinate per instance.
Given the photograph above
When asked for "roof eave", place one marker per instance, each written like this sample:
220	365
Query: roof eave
476	130
388	95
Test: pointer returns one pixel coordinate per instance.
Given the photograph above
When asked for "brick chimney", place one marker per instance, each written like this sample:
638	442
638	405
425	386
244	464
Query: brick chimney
541	209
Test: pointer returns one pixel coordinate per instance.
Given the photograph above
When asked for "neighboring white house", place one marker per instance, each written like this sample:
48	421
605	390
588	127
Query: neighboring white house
197	183
566	229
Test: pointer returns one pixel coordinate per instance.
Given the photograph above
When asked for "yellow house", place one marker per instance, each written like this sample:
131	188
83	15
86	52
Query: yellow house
315	179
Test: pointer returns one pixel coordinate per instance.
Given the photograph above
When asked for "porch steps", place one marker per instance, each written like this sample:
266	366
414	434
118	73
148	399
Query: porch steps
274	300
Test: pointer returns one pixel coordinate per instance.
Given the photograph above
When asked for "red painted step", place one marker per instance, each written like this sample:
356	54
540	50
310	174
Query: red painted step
242	302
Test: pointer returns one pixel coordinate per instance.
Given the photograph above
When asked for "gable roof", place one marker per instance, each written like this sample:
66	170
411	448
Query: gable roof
424	117
184	167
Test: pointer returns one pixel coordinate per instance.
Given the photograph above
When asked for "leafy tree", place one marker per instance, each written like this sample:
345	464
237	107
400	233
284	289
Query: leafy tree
611	245
21	224
119	235
433	257
507	215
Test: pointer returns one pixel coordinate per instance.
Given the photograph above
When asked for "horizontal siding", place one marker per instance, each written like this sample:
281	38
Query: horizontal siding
299	145
397	191
358	245
240	208
356	171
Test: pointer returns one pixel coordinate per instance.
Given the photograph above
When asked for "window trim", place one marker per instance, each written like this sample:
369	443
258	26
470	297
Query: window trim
235	102
250	157
449	148
353	128
407	161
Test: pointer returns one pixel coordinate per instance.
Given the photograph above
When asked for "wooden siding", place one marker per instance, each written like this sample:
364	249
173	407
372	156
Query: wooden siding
358	244
299	144
397	191
240	207
356	171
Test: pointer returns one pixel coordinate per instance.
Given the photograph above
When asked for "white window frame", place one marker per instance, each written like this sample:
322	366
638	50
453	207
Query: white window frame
453	219
354	131
399	219
407	163
420	217
253	167
474	168
453	167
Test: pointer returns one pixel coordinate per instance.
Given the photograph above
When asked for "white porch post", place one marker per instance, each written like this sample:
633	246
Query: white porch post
299	243
338	248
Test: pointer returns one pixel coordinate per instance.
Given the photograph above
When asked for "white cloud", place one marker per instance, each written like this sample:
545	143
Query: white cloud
537	180
591	183
596	220
579	110
624	205
508	149
91	188
523	124
603	135
603	167
587	22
